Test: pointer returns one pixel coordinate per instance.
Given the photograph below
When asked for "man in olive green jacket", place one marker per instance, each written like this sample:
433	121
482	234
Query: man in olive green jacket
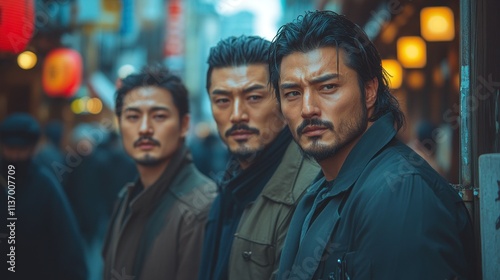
266	175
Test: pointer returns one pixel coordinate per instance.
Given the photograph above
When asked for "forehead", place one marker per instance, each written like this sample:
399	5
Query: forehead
147	96
239	76
315	62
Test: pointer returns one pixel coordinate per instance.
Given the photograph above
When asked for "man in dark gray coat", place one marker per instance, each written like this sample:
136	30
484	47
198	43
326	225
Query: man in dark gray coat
380	212
158	224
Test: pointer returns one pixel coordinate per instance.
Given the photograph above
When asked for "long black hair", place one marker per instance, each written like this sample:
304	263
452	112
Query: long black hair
329	29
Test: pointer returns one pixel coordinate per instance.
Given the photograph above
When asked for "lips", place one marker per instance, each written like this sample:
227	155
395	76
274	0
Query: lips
146	145
240	135
314	130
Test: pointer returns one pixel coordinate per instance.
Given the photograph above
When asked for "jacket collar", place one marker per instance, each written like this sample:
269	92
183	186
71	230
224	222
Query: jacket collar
373	140
280	186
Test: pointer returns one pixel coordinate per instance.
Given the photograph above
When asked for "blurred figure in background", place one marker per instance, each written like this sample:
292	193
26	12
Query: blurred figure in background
210	154
425	145
50	154
93	184
157	227
47	242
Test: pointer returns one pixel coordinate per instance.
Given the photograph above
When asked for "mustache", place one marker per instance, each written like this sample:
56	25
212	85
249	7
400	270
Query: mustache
316	122
146	138
241	127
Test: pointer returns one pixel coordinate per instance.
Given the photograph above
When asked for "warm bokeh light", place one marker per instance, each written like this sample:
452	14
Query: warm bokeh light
62	72
78	105
94	105
437	24
395	72
415	79
412	52
26	60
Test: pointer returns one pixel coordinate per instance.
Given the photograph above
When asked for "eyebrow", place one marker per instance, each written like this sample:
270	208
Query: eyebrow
252	88
325	78
246	90
317	80
220	91
152	109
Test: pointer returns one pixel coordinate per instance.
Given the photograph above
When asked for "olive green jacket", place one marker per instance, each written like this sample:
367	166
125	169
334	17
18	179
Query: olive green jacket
256	249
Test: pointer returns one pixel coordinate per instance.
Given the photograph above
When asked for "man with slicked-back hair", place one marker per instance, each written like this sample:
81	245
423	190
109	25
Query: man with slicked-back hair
266	174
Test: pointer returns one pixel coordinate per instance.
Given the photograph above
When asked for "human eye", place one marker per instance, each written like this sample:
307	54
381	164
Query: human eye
254	98
160	116
221	101
132	117
328	87
291	94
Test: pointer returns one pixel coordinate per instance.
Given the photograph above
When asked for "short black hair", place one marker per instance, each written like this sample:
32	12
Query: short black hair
328	29
159	76
237	51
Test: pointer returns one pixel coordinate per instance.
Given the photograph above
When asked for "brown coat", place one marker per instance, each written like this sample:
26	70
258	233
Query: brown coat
158	233
258	241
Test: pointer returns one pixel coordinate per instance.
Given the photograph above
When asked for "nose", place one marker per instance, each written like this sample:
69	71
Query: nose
146	128
239	113
309	106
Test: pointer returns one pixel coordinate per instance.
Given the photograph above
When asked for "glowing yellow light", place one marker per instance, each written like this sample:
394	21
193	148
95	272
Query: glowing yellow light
437	24
415	79
26	60
94	105
395	72
412	52
78	106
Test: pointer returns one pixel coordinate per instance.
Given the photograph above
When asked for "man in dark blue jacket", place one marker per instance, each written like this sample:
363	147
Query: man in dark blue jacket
380	212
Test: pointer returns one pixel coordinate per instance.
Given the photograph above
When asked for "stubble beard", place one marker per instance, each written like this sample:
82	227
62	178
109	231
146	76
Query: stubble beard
346	133
148	161
246	154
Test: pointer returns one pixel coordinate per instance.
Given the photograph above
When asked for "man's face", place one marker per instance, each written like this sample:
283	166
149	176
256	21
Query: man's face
150	125
244	108
322	103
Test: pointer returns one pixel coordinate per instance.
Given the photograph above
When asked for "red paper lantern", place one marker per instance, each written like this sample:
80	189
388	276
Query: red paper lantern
62	73
17	20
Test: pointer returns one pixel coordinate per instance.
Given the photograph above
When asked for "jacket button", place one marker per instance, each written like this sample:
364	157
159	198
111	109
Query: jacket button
247	255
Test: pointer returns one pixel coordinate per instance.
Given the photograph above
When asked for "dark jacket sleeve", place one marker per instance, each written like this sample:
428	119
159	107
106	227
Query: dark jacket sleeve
408	230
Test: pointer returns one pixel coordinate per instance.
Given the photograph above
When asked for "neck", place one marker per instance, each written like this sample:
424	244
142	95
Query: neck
150	174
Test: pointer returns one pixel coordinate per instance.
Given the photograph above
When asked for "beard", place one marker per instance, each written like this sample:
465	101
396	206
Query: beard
148	161
246	154
344	134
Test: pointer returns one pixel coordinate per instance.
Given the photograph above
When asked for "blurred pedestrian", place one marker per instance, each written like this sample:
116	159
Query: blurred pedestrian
425	145
47	244
50	154
157	228
266	174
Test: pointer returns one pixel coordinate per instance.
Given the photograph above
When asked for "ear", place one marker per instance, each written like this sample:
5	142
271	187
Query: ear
371	88
185	125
